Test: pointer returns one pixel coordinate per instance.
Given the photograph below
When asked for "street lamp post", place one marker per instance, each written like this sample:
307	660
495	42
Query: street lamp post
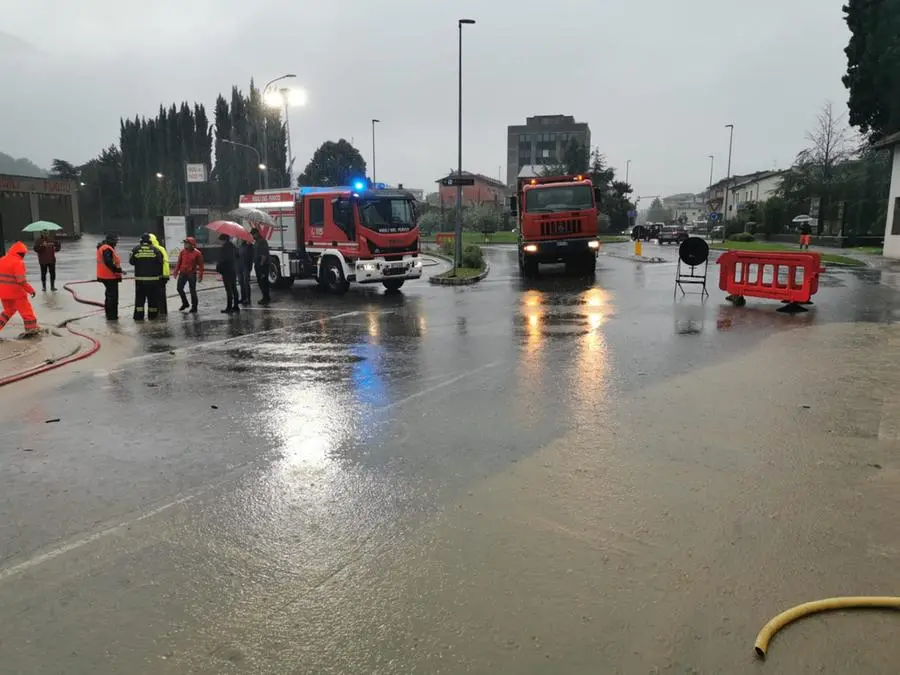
265	159
730	127
374	121
457	249
285	92
627	170
263	168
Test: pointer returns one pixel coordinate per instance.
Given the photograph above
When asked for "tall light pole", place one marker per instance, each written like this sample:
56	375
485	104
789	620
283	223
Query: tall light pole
457	249
265	159
374	122
730	127
285	93
259	163
627	170
712	160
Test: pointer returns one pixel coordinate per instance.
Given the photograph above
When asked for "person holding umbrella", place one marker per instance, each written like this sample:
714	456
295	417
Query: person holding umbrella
227	267
46	248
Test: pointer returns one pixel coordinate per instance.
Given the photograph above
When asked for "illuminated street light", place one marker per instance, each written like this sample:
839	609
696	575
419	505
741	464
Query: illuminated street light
159	175
265	96
262	167
286	97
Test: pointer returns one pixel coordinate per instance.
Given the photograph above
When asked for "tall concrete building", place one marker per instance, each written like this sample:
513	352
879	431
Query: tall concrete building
541	140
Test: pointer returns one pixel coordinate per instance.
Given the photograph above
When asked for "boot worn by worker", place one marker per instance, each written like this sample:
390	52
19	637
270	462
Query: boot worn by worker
183	307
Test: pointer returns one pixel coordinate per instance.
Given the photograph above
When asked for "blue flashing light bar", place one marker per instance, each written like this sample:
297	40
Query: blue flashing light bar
358	186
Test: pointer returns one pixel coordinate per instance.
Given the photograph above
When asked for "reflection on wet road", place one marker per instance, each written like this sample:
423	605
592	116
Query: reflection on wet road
251	494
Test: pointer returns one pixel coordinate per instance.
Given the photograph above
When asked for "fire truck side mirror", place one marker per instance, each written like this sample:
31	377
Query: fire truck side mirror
513	205
598	196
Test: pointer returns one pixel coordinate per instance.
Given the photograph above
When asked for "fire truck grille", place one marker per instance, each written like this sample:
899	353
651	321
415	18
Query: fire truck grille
554	227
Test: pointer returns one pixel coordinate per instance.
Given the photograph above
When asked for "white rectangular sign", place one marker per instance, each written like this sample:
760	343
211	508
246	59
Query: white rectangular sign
174	231
196	173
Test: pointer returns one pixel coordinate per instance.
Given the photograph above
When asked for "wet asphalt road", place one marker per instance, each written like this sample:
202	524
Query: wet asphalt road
224	499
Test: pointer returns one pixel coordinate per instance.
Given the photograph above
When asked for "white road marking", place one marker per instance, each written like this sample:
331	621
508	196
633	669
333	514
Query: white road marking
71	546
236	338
84	541
440	385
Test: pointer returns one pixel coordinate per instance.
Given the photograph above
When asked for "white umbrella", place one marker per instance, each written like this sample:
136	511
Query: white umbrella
255	215
802	219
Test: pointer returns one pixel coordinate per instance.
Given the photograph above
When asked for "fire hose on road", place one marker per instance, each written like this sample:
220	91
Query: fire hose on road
829	604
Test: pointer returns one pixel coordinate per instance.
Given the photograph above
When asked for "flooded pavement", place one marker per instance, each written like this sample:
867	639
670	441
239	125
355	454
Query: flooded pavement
555	476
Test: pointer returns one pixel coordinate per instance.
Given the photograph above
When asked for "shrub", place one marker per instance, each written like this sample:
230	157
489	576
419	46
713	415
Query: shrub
741	236
447	248
473	257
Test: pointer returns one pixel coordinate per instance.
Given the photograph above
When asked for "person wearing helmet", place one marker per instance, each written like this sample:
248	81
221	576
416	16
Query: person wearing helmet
15	289
164	279
147	262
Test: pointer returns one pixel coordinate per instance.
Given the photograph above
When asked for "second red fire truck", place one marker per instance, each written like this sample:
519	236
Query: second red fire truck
340	235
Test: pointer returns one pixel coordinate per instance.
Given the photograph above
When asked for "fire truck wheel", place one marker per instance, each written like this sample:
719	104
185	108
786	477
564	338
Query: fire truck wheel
333	277
276	280
393	285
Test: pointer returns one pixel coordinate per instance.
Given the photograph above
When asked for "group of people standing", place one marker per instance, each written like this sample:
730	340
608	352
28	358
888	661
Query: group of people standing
152	273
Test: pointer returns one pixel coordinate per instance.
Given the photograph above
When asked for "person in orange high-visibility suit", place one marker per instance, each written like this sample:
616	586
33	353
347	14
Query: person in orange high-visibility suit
15	289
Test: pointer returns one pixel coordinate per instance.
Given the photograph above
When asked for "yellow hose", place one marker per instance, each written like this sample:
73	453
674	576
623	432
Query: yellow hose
807	608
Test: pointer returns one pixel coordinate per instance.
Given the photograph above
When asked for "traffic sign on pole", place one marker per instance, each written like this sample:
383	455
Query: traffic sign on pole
714	217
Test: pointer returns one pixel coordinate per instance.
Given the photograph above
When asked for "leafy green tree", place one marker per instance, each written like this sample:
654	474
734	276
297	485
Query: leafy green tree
614	195
481	218
658	213
430	222
63	170
873	66
775	216
333	163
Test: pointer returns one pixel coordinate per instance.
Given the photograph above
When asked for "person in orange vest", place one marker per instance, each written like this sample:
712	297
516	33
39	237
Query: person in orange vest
109	273
15	289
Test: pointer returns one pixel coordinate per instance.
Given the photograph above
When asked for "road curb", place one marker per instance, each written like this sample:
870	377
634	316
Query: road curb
451	281
636	258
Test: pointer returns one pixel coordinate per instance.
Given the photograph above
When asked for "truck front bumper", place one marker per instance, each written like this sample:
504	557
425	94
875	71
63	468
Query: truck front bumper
379	269
559	250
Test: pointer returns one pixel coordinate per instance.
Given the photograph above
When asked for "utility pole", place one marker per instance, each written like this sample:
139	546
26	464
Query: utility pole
374	121
265	156
627	170
457	248
730	127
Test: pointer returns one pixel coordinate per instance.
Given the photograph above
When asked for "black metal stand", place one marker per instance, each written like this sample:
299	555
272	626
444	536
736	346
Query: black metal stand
695	275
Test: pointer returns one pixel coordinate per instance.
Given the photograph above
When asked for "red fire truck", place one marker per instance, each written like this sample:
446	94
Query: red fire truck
557	222
338	235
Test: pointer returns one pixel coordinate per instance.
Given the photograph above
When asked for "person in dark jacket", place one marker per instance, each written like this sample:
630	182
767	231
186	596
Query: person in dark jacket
261	263
245	269
109	273
46	248
148	267
227	267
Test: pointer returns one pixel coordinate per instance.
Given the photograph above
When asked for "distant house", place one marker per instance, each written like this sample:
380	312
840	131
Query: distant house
753	187
757	187
892	222
485	190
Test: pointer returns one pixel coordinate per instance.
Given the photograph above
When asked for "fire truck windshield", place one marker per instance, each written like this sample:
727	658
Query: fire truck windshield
559	198
387	214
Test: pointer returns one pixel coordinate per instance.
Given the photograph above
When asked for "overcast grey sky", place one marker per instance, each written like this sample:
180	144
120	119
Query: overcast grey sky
657	80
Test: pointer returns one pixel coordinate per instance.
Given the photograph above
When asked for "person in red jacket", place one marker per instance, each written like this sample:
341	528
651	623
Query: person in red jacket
15	289
46	249
188	270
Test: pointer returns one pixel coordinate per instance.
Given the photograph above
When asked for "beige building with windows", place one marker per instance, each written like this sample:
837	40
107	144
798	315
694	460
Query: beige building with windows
541	141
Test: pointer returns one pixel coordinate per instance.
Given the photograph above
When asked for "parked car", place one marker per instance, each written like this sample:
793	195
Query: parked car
672	235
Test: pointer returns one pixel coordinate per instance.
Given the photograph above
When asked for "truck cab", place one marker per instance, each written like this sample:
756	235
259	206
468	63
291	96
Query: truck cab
339	235
557	222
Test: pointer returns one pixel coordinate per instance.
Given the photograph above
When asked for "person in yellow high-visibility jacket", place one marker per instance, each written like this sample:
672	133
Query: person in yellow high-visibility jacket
164	279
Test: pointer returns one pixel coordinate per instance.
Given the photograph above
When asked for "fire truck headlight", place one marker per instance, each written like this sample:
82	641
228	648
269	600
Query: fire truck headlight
417	263
369	267
530	248
594	244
